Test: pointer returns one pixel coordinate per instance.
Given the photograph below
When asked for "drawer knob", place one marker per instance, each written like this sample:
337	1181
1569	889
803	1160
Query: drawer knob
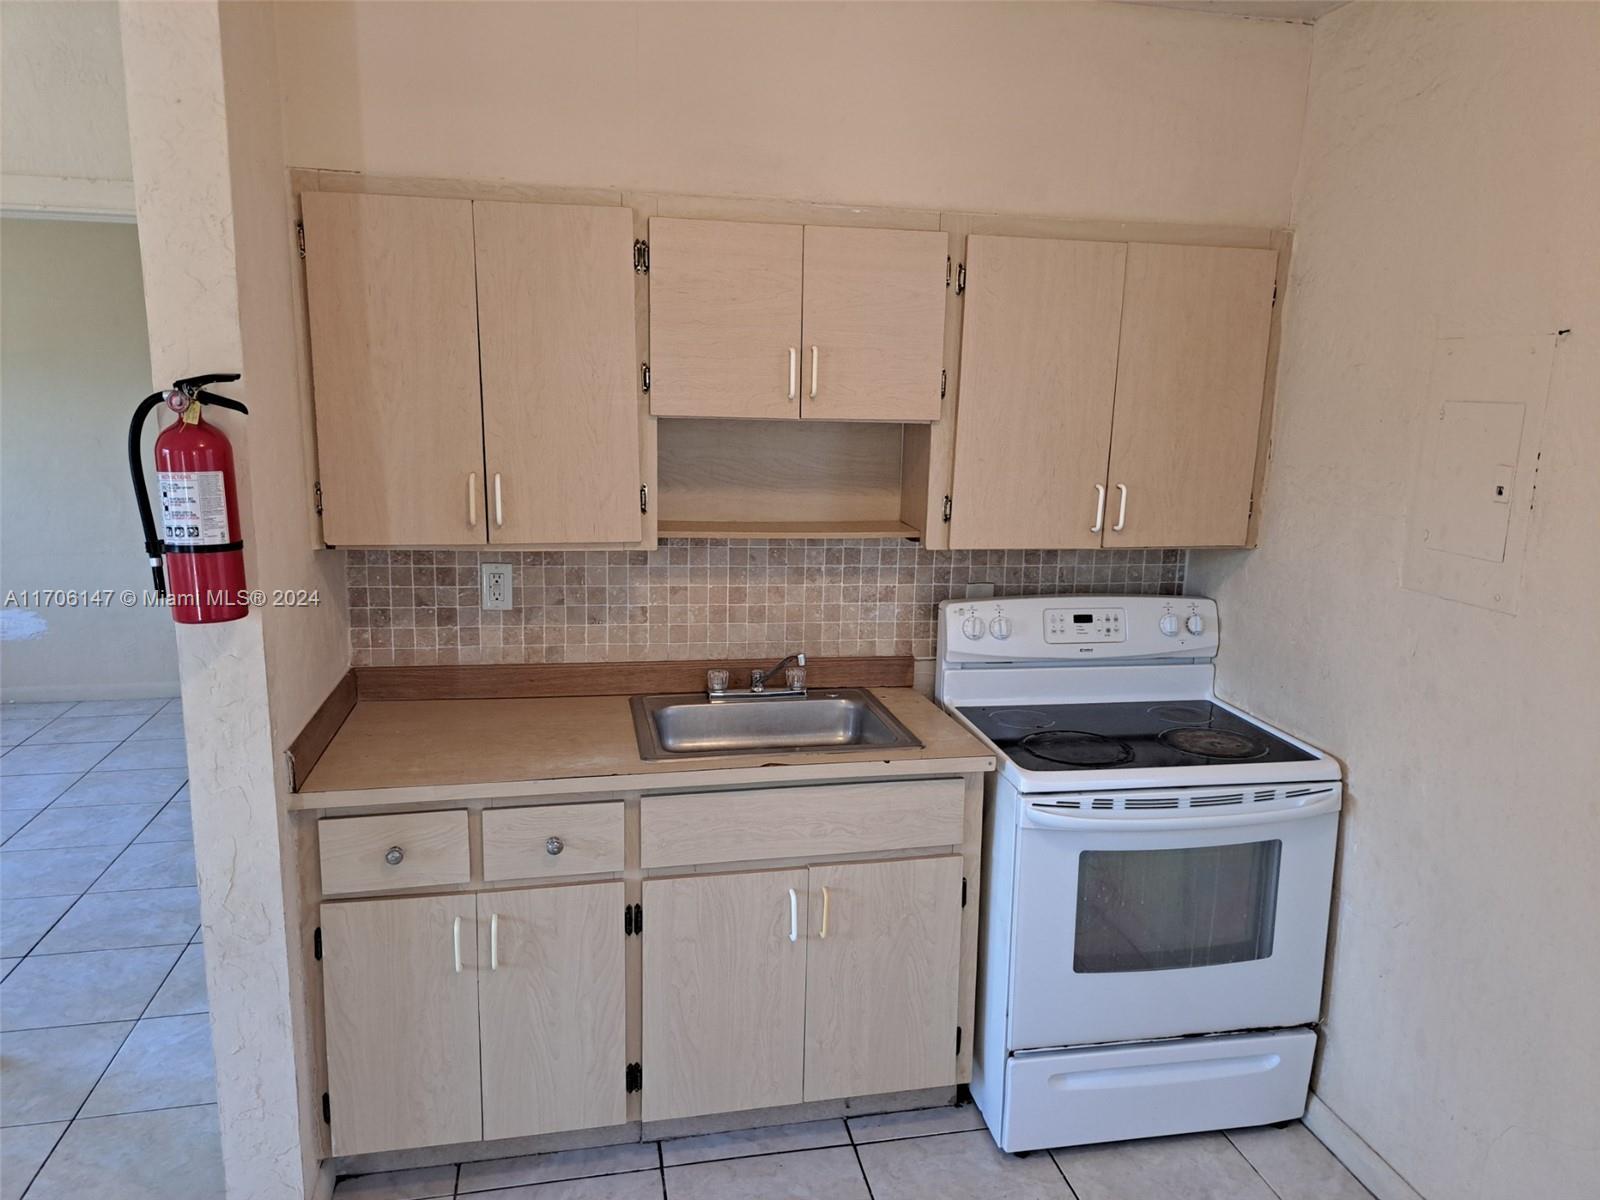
394	856
554	845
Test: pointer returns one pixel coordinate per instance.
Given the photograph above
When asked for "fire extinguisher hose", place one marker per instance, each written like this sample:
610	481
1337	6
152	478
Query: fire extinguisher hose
194	388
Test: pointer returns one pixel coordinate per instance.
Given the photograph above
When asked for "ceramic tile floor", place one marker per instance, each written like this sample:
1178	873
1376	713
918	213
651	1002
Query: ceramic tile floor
106	1080
930	1154
107	1086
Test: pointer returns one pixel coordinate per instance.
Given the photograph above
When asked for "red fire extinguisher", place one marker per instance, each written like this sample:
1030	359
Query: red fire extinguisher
199	534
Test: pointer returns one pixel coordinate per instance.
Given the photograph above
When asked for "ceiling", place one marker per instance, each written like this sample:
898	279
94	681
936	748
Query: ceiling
1275	10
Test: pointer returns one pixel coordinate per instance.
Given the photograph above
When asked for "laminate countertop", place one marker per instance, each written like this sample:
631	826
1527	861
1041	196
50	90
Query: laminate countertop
396	752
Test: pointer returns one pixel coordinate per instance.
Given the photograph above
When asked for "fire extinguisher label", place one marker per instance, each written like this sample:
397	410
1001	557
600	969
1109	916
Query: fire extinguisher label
194	508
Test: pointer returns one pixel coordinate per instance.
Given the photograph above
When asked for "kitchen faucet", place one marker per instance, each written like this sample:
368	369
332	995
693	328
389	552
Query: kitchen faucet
717	681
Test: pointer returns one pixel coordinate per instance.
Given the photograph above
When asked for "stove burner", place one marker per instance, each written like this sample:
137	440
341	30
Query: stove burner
1213	743
1022	718
1181	714
1074	748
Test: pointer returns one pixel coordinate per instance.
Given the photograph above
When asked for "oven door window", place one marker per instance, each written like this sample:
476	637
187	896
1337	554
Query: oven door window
1161	910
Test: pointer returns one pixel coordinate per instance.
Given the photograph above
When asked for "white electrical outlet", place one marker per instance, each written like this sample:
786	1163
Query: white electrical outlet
496	579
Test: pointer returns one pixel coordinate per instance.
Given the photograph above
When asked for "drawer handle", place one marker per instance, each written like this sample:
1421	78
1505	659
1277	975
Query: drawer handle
394	856
554	845
823	932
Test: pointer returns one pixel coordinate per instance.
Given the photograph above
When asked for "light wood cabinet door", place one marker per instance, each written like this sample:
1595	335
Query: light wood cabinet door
724	318
1192	367
1038	377
724	992
402	1022
394	364
881	977
552	1005
873	324
560	367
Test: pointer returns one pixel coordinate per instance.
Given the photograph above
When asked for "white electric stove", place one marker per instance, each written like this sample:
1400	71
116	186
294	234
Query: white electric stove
1157	874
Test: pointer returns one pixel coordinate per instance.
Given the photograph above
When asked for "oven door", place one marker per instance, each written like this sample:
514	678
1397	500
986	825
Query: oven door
1143	923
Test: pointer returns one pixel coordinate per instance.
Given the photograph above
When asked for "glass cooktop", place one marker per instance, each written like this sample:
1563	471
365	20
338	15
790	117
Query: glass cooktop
1086	737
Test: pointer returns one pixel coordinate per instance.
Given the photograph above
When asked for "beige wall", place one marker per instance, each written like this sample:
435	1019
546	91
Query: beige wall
1449	185
63	123
1078	109
73	363
217	235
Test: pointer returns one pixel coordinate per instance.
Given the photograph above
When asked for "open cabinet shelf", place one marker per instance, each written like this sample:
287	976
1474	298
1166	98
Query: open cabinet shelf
786	479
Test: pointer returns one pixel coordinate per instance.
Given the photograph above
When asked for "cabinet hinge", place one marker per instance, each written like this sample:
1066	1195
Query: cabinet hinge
633	1078
947	510
963	891
316	944
644	497
958	1041
644	378
944	377
641	256
327	1110
632	919
300	238
316	496
947	270
961	279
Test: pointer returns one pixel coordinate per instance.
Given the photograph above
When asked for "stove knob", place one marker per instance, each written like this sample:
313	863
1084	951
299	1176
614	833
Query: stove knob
1196	624
973	627
1169	624
1000	627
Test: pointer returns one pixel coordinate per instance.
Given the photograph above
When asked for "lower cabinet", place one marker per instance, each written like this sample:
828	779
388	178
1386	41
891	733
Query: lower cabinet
455	1018
776	987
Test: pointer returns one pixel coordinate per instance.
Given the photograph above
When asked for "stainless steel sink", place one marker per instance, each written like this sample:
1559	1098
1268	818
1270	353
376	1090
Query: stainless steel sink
695	726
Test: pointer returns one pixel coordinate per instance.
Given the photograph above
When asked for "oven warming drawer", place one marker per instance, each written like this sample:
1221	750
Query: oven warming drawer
1109	1093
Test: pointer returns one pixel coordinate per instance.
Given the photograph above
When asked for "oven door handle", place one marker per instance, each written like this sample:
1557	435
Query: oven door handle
1107	822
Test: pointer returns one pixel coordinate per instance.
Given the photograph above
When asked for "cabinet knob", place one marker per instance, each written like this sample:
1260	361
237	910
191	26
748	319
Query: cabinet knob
554	845
394	856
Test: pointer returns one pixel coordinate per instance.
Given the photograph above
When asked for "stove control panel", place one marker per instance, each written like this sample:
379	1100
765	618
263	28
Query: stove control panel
1013	629
1063	626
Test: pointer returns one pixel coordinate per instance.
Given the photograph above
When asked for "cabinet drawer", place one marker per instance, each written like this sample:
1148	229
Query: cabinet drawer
356	850
552	839
799	822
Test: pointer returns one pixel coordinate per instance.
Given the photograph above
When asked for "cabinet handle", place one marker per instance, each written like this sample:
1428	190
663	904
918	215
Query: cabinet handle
554	845
499	511
394	856
455	938
494	941
794	373
823	931
472	500
794	916
813	372
1122	508
1099	508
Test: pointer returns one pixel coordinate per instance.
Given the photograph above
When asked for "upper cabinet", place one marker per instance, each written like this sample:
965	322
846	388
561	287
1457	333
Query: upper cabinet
873	325
1038	376
775	321
560	405
394	340
410	298
724	318
1190	373
1111	394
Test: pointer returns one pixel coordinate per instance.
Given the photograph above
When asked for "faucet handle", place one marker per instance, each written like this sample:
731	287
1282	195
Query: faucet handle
716	680
795	677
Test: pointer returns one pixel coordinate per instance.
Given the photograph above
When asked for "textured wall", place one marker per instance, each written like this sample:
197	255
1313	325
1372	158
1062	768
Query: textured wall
1094	110
67	400
704	598
1449	185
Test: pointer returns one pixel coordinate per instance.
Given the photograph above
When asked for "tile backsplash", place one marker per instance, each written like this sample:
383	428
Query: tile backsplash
703	598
